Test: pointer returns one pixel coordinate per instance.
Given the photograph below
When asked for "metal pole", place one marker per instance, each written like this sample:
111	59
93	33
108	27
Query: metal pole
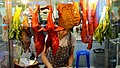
8	6
107	51
50	2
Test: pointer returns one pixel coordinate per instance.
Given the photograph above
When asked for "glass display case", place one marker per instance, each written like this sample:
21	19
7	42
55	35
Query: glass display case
12	52
23	11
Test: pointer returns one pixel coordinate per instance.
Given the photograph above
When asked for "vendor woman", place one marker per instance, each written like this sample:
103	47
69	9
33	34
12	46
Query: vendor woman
65	53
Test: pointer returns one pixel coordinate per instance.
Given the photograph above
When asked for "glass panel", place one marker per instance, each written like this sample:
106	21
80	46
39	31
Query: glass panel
114	51
4	48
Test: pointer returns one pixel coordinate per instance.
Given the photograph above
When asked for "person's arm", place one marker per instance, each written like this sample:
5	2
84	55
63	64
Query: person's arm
71	57
44	59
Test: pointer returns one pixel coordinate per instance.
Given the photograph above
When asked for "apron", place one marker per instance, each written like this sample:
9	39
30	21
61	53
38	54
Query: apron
62	56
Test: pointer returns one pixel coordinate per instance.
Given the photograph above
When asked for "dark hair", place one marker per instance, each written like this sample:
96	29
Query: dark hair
71	30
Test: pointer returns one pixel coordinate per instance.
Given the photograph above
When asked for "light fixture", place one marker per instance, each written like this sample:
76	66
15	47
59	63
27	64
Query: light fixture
24	1
93	1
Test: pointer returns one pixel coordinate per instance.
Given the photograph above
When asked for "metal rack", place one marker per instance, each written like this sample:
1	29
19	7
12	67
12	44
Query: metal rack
117	43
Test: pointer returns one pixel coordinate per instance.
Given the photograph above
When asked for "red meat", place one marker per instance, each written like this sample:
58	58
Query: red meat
88	14
84	32
92	22
39	37
52	40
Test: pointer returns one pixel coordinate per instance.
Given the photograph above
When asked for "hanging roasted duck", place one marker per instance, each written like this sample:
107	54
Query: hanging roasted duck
52	40
69	15
89	21
92	21
84	31
25	34
39	37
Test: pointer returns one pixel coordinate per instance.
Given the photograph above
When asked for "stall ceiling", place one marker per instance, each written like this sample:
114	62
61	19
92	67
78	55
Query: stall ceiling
15	2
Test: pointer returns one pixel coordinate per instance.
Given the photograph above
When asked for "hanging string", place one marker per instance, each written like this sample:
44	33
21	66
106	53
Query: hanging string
54	17
50	2
53	13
